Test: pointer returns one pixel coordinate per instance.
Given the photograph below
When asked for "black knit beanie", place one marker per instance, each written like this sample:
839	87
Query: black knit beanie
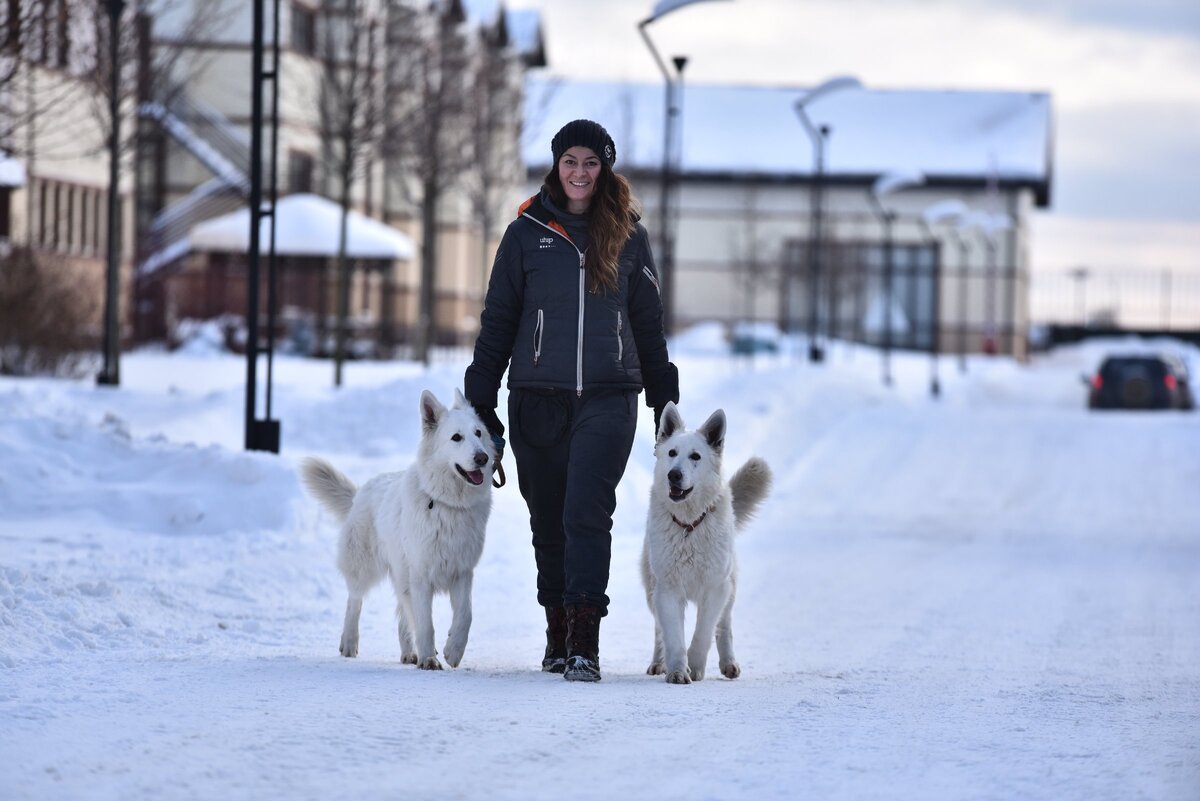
587	134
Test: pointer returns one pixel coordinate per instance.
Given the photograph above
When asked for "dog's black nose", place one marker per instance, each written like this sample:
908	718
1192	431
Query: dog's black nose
674	476
481	458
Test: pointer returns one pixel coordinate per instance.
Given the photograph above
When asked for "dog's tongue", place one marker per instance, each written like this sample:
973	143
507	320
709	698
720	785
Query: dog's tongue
475	476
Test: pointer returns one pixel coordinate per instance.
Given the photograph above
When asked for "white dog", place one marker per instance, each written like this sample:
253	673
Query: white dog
688	553
423	528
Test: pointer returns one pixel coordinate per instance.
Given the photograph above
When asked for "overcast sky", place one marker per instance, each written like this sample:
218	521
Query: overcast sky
1124	76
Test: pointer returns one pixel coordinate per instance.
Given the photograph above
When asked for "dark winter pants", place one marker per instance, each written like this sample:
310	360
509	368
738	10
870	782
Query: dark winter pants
571	453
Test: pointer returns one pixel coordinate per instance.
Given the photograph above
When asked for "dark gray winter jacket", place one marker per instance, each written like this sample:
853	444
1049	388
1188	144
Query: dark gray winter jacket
541	323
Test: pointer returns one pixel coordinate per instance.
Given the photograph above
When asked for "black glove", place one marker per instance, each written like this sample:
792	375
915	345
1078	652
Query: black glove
495	428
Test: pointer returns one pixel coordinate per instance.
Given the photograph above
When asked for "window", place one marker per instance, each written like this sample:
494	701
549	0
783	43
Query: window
304	30
300	172
5	213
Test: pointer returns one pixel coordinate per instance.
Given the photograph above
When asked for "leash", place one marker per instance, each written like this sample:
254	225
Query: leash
498	441
499	472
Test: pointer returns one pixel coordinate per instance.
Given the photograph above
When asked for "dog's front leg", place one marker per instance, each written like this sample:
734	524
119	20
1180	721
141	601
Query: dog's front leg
669	606
727	661
708	608
349	644
422	604
460	602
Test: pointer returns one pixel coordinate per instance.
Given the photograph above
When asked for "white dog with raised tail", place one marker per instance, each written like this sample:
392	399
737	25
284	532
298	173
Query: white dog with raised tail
423	528
688	553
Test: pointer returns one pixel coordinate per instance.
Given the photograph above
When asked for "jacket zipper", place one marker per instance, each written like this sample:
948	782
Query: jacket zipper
579	340
537	339
582	290
620	339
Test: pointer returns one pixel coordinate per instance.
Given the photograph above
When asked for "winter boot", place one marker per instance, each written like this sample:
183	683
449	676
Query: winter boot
583	644
555	660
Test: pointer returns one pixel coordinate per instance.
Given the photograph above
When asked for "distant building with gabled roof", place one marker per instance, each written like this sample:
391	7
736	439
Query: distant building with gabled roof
747	184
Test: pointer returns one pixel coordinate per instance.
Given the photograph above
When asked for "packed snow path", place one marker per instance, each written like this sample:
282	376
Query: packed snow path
988	596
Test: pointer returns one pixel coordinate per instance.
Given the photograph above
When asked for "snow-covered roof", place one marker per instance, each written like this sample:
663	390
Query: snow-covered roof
12	172
754	130
306	225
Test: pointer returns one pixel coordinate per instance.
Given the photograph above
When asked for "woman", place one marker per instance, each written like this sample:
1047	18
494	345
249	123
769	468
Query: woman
573	313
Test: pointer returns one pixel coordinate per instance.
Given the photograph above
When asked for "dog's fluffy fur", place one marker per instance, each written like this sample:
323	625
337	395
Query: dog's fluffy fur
699	565
423	528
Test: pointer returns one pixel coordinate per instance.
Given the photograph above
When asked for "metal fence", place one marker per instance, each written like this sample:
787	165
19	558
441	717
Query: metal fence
1163	300
916	303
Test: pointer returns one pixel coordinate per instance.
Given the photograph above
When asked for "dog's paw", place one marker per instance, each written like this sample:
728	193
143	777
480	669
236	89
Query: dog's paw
697	674
348	647
731	671
408	659
655	669
453	654
431	663
678	677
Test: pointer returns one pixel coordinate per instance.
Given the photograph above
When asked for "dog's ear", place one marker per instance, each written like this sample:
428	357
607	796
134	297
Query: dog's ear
670	422
460	402
713	430
431	411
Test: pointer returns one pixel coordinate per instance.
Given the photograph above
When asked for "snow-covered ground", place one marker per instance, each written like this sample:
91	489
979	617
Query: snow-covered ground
990	595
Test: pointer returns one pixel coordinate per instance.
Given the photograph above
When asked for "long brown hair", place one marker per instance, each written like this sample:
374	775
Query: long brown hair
612	219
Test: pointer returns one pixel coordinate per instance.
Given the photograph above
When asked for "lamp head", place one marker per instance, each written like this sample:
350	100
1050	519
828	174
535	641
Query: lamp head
835	84
950	211
896	180
664	7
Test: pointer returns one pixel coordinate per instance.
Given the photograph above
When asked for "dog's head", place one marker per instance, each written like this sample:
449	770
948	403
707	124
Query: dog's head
688	463
455	442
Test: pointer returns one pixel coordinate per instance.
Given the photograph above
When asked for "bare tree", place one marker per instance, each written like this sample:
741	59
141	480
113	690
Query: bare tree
350	123
427	131
44	318
495	134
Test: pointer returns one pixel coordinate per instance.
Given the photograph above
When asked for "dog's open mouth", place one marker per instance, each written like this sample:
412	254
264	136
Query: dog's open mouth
679	493
475	476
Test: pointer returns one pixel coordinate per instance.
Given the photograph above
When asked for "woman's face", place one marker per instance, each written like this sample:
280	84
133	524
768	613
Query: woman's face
578	172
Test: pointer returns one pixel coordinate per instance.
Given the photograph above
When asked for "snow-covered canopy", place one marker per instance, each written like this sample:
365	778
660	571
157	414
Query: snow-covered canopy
754	130
307	225
12	172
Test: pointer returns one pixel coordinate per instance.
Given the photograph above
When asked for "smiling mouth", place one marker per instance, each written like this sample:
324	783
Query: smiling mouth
678	493
475	476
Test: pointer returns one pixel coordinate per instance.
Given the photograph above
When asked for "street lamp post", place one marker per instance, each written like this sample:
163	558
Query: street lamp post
949	212
1080	276
671	143
990	225
111	373
885	185
819	136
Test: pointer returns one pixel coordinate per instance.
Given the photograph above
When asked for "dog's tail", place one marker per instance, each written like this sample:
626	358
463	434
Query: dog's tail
328	486
749	485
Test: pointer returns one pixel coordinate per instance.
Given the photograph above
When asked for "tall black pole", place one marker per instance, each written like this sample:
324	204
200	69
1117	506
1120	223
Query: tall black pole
252	257
963	258
667	260
888	218
111	373
817	198
261	435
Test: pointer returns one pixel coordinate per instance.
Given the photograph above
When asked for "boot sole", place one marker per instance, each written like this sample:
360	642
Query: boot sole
588	677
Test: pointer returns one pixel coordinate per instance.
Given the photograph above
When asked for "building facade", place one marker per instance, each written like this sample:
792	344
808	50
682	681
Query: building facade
846	249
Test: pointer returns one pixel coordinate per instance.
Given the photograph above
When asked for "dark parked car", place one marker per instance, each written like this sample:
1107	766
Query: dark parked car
1141	381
